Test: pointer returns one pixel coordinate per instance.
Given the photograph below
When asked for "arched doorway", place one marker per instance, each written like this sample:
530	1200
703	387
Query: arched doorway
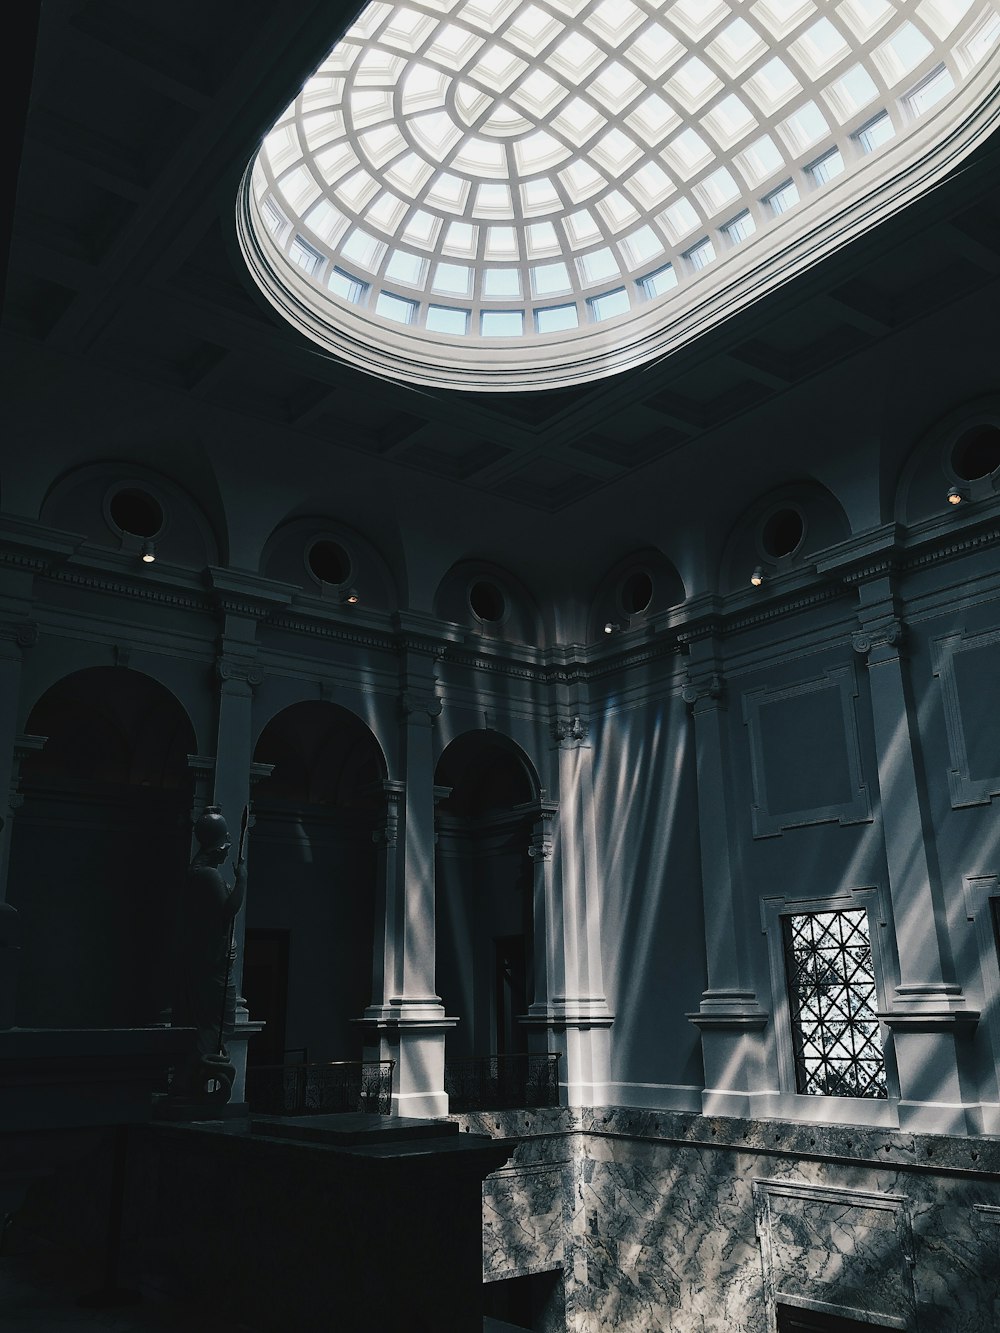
99	850
310	899
484	888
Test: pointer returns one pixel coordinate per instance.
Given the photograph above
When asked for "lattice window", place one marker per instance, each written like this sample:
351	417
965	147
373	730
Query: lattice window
832	999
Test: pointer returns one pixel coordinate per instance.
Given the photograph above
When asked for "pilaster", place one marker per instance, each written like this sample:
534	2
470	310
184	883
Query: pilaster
578	1016
928	1015
547	955
242	600
730	1017
406	1021
15	639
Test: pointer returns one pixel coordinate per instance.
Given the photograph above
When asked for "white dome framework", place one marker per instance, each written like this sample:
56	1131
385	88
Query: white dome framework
508	194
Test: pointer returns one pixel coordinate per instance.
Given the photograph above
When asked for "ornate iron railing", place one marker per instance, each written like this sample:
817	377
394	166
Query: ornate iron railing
502	1082
321	1088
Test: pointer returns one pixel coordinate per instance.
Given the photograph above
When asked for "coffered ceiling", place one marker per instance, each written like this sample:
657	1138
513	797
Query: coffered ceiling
140	123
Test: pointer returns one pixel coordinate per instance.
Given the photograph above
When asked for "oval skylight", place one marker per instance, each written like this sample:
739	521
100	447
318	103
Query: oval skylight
509	194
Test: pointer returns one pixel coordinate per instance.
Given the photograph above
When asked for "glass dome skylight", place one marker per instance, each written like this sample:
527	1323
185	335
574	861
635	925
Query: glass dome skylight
525	193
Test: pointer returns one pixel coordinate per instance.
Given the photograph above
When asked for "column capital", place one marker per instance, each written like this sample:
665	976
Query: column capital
234	671
420	706
702	687
570	731
884	638
16	636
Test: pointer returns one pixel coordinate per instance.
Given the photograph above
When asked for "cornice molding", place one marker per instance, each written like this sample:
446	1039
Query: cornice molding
242	592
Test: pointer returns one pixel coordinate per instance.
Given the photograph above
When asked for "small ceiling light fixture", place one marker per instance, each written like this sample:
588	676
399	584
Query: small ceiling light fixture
957	494
148	553
757	577
349	596
610	626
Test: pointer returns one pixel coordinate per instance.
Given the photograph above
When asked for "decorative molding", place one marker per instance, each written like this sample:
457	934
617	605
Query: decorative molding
241	592
420	704
570	731
873	1278
123	654
701	687
886	634
965	790
856	808
730	1011
238	671
19	634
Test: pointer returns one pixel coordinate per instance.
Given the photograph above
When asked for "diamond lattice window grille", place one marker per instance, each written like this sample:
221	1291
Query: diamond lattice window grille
833	1003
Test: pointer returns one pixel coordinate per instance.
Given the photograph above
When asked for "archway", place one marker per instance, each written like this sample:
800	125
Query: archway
484	891
99	850
310	902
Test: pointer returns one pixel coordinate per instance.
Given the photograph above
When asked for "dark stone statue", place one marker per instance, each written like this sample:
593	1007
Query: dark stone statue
205	993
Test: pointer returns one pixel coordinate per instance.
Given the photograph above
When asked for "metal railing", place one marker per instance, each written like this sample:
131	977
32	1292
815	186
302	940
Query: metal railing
321	1088
502	1082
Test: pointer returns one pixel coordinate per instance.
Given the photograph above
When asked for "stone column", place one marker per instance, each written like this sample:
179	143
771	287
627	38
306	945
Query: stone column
928	1015
408	1024
579	1017
730	1017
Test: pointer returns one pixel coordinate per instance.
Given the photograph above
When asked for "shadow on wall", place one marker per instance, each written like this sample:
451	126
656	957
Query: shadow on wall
484	887
99	850
312	876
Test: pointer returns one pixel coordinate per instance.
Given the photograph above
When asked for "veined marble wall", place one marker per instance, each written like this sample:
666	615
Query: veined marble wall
669	1221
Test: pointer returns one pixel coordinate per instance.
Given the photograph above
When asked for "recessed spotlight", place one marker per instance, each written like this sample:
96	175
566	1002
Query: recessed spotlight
350	596
757	577
148	553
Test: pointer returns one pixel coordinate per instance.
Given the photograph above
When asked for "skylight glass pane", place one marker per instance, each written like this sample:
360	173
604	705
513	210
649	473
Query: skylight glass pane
903	52
403	267
453	278
931	91
680	219
597	266
502	323
346	287
641	246
655	284
447	319
740	229
501	282
609	305
273	220
547	279
363	249
396	308
780	201
701	255
555	318
873	136
304	256
828	166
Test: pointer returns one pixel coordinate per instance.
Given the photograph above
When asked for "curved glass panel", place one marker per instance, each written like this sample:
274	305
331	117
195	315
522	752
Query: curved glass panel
479	180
